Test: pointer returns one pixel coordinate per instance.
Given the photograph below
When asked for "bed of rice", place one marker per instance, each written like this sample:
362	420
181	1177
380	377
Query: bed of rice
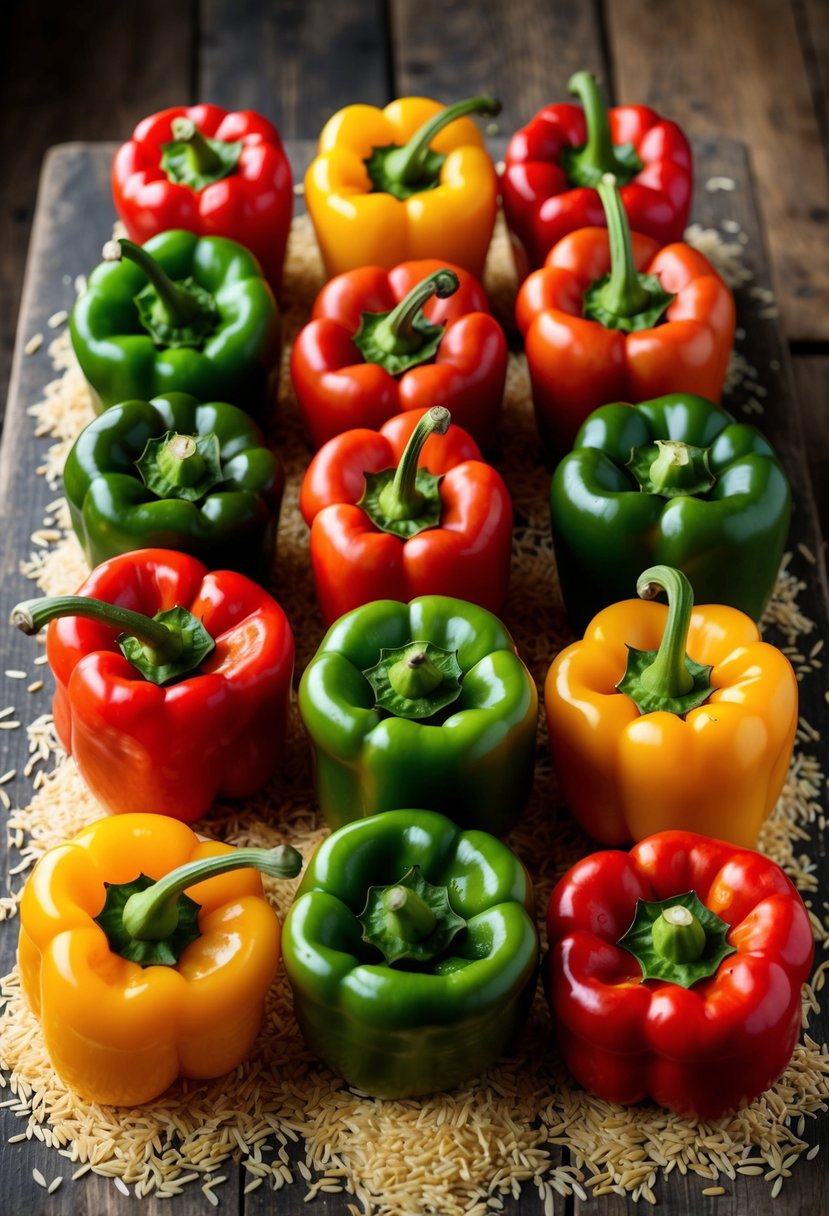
283	1115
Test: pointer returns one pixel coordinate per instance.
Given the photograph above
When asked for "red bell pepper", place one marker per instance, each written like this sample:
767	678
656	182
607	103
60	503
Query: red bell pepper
554	164
611	317
212	172
166	709
440	523
675	971
383	341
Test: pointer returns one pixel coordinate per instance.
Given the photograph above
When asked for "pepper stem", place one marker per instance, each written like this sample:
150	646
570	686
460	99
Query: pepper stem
180	460
153	914
668	675
176	306
624	294
201	156
408	164
31	615
396	334
678	935
401	499
409	916
415	675
598	151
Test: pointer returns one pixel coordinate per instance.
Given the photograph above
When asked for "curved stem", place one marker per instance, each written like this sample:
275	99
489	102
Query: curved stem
178	307
401	498
668	675
31	615
396	334
406	164
598	150
623	294
201	156
152	915
409	916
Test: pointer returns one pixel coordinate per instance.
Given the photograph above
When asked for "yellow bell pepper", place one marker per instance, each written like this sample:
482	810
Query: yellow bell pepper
646	737
134	983
411	181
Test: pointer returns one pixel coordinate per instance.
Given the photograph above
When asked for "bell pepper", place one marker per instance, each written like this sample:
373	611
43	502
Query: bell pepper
171	473
147	954
555	162
413	180
426	704
675	971
389	521
179	314
675	481
671	717
212	172
612	317
172	683
384	341
412	952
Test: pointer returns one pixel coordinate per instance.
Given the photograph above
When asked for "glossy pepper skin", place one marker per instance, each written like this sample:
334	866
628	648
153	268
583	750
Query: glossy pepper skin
120	1033
543	203
355	561
403	1030
231	525
703	1051
718	768
174	750
578	364
719	510
248	197
474	763
451	216
338	389
234	359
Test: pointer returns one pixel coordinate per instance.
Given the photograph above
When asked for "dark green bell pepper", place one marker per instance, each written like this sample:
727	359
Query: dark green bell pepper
173	474
424	704
181	313
675	481
412	952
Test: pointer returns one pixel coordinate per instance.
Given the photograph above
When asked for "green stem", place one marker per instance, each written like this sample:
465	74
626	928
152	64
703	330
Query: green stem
401	499
407	164
677	935
178	308
31	615
201	156
396	334
668	675
153	915
415	675
624	294
180	460
409	916
598	151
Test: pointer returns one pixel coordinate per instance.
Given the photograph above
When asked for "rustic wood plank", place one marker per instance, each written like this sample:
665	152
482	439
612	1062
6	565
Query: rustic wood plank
811	374
523	52
68	72
766	351
812	20
737	69
297	61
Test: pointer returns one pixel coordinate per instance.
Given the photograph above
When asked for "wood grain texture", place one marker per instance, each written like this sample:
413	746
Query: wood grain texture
737	69
812	380
522	52
297	61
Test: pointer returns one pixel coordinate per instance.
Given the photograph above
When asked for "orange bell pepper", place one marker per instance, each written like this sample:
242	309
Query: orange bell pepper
700	741
411	181
133	982
612	317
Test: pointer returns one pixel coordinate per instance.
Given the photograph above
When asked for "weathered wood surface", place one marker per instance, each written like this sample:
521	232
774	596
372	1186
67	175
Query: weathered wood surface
73	216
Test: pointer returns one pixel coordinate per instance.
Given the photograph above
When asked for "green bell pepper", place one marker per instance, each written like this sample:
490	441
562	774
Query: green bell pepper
675	481
179	314
412	952
424	704
173	474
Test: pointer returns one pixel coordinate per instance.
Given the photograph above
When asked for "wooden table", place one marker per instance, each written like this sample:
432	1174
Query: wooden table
239	55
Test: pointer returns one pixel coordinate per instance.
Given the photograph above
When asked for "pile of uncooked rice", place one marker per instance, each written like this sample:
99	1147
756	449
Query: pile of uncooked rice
283	1115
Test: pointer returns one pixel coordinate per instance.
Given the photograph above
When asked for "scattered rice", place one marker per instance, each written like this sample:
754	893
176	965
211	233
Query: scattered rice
34	344
524	1122
720	183
57	318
